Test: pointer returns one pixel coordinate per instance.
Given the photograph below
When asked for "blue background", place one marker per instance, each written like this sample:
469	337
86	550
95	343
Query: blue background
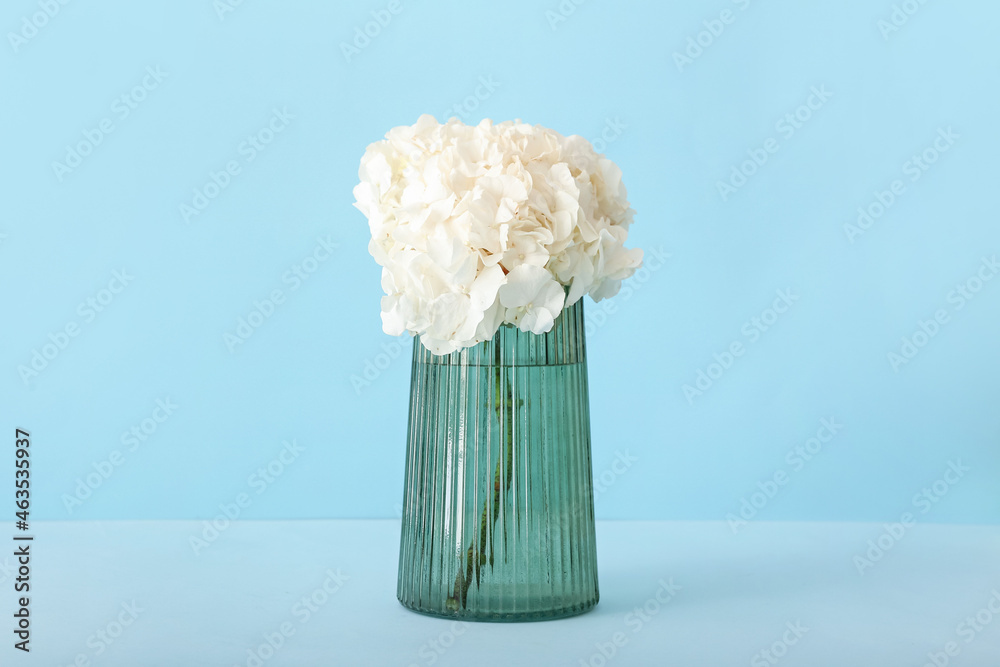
687	125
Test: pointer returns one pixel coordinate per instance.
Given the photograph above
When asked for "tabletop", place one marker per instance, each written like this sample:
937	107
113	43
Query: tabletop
270	593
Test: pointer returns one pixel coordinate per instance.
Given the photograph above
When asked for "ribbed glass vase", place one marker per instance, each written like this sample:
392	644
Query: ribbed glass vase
498	518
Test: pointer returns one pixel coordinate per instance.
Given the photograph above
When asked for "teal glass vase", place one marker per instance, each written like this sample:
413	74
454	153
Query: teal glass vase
498	510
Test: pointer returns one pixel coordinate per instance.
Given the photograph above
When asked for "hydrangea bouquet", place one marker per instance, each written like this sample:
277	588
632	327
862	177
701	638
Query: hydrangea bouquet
478	226
488	237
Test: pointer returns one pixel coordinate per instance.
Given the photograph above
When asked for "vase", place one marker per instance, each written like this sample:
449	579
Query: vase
498	510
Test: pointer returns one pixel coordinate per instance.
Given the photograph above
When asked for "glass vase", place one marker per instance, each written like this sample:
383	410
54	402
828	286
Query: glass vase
498	514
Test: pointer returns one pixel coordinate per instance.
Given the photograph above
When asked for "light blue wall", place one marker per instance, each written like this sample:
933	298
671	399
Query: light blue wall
676	128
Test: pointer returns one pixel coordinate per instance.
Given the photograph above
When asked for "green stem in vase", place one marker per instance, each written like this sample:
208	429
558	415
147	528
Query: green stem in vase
503	398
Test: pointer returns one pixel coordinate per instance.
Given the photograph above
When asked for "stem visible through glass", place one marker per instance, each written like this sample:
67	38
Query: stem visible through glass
502	397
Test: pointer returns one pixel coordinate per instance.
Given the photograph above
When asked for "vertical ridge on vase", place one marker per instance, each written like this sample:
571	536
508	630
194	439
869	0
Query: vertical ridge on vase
497	520
584	426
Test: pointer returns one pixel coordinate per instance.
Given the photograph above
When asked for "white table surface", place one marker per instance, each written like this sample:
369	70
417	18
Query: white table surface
737	596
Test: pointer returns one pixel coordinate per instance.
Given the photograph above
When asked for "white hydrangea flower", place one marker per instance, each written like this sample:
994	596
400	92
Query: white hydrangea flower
480	226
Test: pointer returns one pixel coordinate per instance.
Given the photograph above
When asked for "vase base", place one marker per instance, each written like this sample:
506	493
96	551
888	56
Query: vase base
485	616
